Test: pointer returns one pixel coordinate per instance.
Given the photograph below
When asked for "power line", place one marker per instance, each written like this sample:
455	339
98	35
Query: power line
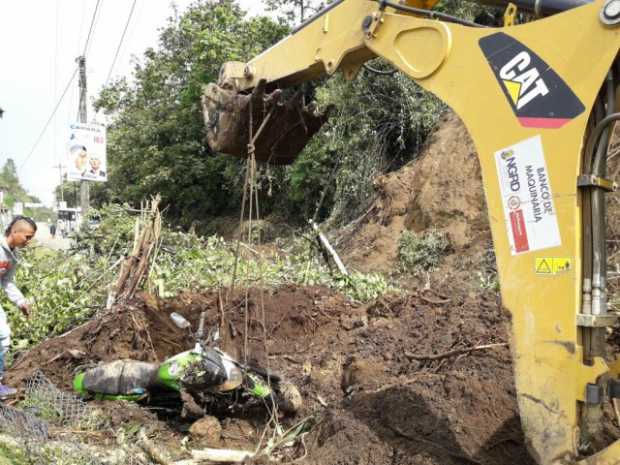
120	43
49	120
92	24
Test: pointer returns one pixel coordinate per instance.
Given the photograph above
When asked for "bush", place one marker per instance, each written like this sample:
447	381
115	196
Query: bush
421	252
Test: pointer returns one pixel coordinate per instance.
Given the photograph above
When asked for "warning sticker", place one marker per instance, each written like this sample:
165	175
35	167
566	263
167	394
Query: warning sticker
531	220
552	266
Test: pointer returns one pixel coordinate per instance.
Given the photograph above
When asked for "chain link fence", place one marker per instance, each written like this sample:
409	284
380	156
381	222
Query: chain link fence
46	408
46	401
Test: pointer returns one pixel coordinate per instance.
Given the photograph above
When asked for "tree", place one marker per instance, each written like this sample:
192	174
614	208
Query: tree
9	175
69	192
156	141
294	11
9	184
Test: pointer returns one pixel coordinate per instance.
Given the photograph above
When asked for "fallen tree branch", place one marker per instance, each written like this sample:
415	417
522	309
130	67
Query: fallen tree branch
221	455
452	353
147	446
135	267
328	247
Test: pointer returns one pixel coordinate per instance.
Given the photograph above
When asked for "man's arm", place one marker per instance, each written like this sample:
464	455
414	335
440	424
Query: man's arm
11	289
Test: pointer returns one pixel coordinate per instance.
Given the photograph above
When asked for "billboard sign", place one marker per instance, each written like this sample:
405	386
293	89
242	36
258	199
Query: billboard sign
87	153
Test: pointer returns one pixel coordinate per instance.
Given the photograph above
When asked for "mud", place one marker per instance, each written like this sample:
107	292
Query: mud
357	367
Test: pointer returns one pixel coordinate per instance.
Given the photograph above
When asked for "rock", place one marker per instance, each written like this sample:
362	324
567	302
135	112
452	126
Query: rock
358	373
207	430
352	322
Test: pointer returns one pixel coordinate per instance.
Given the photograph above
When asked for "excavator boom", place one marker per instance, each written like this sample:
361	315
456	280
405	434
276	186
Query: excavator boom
538	100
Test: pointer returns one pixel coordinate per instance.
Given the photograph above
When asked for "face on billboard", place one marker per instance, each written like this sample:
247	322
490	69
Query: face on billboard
87	153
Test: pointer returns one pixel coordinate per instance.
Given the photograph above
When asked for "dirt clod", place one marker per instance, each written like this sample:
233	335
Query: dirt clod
207	431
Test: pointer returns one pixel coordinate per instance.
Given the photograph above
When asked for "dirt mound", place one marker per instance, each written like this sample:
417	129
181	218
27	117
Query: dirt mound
377	376
442	189
403	402
143	330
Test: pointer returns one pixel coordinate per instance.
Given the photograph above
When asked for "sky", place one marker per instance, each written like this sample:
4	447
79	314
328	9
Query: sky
40	40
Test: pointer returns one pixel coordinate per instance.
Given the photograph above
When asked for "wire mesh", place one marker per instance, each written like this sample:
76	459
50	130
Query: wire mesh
22	424
46	401
45	406
46	411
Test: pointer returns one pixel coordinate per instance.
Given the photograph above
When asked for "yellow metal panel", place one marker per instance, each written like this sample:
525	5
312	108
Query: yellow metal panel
449	60
550	375
318	48
426	4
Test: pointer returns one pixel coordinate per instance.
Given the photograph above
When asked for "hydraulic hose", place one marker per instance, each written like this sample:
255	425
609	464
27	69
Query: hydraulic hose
538	7
594	219
430	14
598	115
599	236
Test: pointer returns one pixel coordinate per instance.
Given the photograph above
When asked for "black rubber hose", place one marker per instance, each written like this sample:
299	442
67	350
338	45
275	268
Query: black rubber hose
429	14
538	7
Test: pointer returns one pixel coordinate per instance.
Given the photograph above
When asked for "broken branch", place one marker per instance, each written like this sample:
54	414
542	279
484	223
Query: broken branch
452	353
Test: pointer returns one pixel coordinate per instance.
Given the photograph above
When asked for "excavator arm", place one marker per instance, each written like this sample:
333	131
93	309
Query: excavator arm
538	100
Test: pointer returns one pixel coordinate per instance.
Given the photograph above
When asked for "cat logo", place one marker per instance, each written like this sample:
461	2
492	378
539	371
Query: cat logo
538	96
519	86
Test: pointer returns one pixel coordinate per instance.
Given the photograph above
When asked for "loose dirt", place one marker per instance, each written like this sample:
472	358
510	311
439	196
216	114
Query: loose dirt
357	367
441	190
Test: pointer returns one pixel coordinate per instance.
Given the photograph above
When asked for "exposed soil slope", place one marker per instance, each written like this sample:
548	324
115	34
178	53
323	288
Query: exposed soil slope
442	190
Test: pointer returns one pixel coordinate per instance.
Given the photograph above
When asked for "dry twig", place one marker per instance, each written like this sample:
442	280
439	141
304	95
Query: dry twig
452	353
147	446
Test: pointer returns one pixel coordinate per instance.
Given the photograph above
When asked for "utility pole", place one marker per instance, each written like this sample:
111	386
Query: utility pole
84	187
62	190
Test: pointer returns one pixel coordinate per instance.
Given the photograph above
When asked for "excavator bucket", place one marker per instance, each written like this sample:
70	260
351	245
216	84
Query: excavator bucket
280	128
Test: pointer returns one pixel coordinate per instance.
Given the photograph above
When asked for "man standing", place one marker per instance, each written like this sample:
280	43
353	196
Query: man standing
18	234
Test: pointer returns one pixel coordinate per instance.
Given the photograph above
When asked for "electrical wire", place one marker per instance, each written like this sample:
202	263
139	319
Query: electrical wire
120	43
90	30
49	120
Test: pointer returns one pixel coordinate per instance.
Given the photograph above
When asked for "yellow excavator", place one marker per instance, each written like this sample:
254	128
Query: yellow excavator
539	101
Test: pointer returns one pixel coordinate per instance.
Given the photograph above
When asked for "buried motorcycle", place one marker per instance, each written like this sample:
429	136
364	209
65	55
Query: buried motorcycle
210	376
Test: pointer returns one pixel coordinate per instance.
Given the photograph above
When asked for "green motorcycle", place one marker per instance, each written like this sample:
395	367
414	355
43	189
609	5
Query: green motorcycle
213	378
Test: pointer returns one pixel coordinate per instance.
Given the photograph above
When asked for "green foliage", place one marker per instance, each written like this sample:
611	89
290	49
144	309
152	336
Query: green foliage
69	191
380	124
421	252
364	286
156	142
10	455
294	11
62	290
67	287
